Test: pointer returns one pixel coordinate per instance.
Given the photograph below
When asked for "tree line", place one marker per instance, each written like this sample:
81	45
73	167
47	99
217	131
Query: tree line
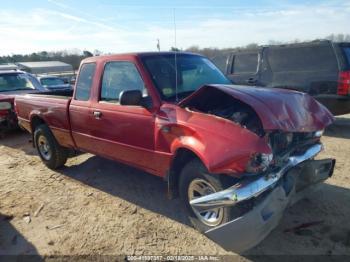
69	57
217	55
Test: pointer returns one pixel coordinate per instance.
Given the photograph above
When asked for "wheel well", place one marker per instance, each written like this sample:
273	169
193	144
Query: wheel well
35	122
181	158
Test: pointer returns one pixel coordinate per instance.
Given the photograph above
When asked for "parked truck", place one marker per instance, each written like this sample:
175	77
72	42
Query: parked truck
319	68
236	156
14	82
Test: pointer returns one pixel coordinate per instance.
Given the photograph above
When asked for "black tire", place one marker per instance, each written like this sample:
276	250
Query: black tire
195	170
58	154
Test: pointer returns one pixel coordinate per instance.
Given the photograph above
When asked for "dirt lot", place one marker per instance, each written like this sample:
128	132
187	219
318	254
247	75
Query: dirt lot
95	206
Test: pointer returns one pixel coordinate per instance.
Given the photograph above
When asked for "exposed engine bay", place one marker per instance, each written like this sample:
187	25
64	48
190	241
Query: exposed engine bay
222	105
240	114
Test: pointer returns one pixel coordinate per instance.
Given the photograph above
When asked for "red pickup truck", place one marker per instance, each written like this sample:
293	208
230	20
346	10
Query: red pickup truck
236	156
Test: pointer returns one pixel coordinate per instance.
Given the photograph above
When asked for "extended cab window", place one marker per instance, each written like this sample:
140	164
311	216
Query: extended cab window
84	83
245	63
118	77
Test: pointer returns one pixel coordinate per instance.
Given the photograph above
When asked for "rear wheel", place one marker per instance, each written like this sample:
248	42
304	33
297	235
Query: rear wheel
196	181
51	153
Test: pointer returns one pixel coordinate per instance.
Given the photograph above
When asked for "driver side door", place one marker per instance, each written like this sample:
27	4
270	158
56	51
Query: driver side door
123	133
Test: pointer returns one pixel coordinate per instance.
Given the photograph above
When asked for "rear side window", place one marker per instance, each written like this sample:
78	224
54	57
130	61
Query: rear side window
347	54
245	63
84	83
309	58
118	77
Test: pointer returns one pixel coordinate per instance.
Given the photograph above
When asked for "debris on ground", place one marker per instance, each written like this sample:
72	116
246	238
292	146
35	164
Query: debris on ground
53	227
36	213
302	226
134	211
27	219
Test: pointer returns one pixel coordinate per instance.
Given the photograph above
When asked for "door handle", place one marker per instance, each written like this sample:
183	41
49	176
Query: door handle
97	114
251	80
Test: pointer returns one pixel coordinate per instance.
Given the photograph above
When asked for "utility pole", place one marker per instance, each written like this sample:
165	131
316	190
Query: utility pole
158	45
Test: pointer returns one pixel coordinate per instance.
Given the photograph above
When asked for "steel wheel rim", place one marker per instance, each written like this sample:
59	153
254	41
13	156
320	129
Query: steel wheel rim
44	148
198	188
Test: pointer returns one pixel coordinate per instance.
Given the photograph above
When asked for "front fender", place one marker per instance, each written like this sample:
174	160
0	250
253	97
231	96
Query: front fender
222	146
192	144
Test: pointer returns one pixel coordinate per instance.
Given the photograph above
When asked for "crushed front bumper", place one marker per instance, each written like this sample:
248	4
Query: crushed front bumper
282	188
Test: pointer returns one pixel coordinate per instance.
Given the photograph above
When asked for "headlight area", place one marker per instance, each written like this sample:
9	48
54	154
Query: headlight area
319	133
259	162
4	106
282	144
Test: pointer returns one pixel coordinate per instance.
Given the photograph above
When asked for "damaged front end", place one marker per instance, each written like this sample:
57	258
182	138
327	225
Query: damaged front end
291	124
270	193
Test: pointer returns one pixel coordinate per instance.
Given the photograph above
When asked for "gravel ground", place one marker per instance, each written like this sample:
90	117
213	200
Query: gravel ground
96	206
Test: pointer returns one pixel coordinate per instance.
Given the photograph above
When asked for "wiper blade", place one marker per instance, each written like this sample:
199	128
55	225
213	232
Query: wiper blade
17	89
181	94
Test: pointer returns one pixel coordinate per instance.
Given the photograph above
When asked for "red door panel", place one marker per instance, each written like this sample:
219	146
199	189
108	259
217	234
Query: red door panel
124	133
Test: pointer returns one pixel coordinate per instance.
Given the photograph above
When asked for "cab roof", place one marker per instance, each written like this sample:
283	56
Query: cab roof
136	54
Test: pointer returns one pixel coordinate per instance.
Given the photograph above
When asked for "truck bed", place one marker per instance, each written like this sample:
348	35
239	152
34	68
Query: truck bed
63	94
51	108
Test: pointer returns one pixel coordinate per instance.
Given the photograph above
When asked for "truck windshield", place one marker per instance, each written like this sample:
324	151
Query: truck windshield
192	73
13	82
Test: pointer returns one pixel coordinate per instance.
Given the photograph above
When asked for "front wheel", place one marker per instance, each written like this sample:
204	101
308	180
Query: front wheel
196	181
51	153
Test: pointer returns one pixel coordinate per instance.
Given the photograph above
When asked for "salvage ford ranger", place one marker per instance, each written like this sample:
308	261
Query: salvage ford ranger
236	156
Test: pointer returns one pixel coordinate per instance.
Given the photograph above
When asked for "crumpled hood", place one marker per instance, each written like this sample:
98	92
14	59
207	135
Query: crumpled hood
278	109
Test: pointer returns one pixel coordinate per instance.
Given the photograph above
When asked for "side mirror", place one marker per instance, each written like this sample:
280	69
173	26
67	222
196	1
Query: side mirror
130	98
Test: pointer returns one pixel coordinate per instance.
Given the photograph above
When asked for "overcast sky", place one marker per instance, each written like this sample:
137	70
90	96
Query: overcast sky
123	26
